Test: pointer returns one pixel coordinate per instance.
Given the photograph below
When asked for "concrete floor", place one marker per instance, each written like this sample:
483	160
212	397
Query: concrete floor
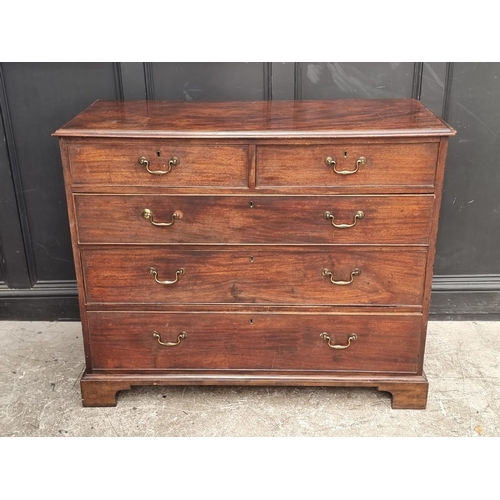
40	366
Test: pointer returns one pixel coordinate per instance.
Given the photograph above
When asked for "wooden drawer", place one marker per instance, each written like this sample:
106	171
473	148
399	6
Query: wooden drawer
411	164
253	275
260	341
254	219
117	163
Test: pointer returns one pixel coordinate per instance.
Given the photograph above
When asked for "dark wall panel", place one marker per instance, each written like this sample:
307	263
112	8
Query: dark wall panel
132	79
283	81
8	207
334	80
433	82
469	233
209	81
41	98
14	230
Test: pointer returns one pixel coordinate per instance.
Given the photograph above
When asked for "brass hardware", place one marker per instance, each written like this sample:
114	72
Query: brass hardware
359	215
330	162
326	337
148	214
171	163
327	272
181	336
178	273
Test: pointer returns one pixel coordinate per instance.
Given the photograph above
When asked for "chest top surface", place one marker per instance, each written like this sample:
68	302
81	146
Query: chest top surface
362	118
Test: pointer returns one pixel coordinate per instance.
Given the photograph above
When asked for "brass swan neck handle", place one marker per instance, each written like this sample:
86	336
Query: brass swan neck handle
178	273
325	336
181	336
359	215
354	272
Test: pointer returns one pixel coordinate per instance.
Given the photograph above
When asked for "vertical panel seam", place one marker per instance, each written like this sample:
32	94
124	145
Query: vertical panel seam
268	81
418	71
117	71
297	81
447	91
149	81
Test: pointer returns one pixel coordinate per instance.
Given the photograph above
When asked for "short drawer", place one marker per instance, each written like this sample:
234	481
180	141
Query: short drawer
261	341
251	275
138	163
254	219
347	166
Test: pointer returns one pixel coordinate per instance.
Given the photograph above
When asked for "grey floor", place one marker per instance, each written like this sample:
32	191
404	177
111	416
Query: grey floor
40	366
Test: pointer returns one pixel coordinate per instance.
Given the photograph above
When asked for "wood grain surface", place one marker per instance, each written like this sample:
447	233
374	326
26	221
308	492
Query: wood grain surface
396	220
386	165
117	163
337	118
255	341
253	275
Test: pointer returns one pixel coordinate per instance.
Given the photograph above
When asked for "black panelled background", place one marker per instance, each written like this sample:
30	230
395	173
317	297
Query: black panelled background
37	279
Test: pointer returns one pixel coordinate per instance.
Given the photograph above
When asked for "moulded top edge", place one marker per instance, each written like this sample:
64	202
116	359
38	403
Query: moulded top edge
261	119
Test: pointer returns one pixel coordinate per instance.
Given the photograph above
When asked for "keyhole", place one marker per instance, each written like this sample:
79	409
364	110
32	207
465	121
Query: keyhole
251	321
345	154
158	153
251	204
251	259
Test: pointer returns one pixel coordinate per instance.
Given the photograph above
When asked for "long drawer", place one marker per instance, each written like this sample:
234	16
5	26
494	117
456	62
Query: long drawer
158	163
375	220
347	165
272	275
214	341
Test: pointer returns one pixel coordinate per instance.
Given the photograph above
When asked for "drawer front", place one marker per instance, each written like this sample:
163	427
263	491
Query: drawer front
272	275
119	164
259	341
383	165
254	219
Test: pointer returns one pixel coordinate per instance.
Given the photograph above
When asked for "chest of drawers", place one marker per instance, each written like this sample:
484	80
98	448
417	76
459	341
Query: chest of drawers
260	243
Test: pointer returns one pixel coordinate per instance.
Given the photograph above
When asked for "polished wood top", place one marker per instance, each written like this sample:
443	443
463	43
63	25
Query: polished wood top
256	119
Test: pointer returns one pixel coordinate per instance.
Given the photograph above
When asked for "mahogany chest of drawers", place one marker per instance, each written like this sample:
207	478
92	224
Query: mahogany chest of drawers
260	243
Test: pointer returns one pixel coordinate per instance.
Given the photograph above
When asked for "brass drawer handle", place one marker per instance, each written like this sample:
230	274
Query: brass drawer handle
327	272
330	162
178	273
181	336
148	215
171	163
359	215
326	337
